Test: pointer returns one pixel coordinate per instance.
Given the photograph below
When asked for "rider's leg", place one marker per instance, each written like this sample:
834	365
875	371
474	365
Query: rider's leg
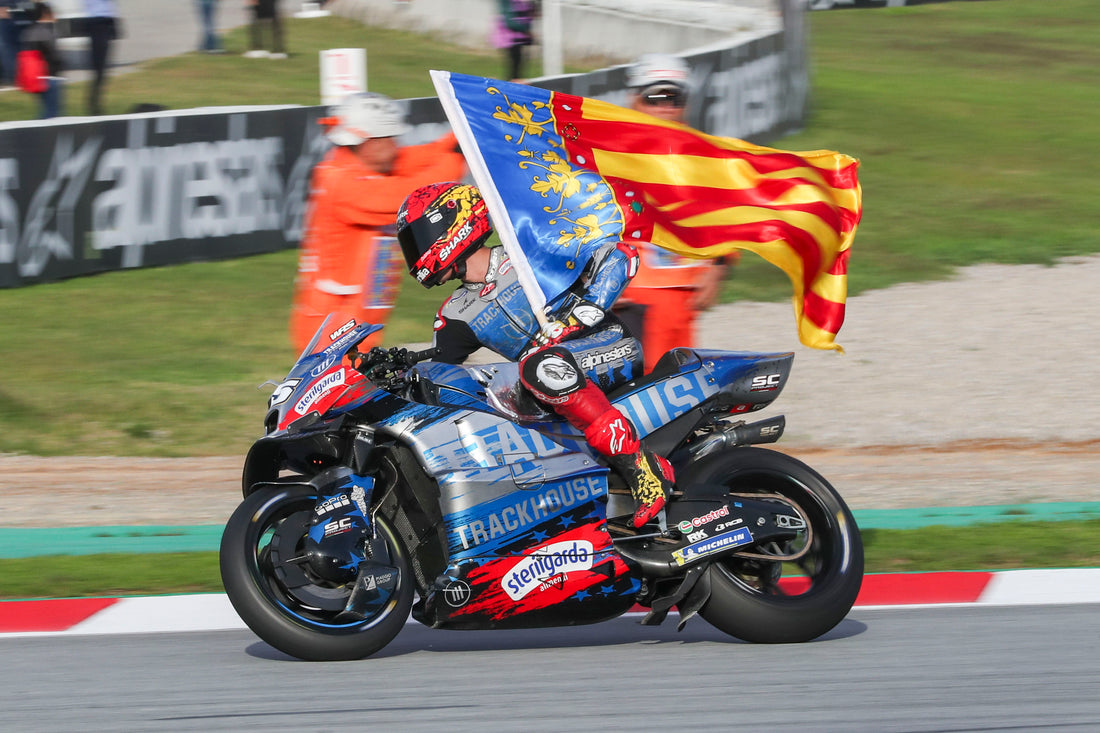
553	377
649	475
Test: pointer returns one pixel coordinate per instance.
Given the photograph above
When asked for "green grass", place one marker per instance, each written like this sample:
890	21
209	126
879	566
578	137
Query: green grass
1065	544
87	576
974	123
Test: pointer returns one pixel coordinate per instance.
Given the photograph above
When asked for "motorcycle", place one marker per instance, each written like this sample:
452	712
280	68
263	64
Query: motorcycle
388	484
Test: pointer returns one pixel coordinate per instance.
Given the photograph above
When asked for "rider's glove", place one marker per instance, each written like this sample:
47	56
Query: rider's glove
582	316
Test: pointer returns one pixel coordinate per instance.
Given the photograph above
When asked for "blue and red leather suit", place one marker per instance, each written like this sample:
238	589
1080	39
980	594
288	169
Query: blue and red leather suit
570	373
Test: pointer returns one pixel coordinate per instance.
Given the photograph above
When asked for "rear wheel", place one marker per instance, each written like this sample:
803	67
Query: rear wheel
791	591
271	585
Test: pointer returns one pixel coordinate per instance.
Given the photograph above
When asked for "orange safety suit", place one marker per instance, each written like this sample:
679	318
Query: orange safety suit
350	261
664	287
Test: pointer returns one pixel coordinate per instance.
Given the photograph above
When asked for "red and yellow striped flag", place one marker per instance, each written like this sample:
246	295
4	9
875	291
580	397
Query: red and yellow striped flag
695	194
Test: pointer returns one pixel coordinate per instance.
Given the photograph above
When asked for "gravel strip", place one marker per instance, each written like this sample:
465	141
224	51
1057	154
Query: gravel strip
948	394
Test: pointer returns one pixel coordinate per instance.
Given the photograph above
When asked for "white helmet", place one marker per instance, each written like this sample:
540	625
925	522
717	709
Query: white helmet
659	68
364	116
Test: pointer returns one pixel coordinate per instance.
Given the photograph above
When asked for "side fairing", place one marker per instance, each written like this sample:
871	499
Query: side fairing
662	402
738	381
524	521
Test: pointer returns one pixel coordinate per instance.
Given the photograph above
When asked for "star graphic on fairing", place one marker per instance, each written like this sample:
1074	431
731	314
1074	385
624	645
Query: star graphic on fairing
581	595
539	536
607	589
566	521
353	562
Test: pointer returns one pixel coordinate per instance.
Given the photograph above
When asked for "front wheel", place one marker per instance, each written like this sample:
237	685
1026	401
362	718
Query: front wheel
791	591
269	581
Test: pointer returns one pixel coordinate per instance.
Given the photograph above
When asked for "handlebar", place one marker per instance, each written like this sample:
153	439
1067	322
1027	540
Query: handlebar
387	367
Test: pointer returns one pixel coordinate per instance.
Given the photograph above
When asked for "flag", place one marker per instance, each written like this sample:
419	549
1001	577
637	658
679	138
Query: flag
563	174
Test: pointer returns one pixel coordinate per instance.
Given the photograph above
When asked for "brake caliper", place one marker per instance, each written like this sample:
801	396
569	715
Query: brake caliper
338	530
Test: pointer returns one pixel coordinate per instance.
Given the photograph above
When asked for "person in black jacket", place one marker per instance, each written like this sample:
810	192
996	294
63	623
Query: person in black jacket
512	32
41	36
103	29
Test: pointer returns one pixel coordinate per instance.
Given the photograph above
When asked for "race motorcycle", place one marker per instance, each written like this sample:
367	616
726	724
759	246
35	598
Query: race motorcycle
384	479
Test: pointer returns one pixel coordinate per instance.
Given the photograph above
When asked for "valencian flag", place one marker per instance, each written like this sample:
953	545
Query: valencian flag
563	174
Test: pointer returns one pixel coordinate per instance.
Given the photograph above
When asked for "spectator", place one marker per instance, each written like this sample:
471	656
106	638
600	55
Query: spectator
209	41
41	36
512	32
349	260
265	16
664	300
103	28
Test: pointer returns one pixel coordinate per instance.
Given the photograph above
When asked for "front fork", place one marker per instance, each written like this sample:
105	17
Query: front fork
338	544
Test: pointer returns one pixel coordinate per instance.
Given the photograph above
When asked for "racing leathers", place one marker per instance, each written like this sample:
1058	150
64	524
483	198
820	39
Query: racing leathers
568	365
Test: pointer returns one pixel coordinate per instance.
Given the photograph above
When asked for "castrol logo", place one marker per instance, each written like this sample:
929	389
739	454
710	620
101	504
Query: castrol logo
689	524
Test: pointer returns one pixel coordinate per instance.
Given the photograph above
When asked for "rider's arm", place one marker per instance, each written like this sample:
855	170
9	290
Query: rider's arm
603	280
611	269
454	338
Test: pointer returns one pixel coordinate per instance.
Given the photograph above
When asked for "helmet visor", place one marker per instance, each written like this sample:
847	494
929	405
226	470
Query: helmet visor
416	240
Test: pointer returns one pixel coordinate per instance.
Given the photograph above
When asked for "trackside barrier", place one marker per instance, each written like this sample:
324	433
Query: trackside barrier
82	196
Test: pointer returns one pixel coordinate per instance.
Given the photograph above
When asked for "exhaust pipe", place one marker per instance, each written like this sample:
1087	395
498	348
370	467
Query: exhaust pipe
741	433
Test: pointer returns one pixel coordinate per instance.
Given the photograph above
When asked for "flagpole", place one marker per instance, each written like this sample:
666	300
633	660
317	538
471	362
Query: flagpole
497	212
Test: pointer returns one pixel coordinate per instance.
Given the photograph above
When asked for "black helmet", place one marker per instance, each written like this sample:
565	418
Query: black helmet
439	226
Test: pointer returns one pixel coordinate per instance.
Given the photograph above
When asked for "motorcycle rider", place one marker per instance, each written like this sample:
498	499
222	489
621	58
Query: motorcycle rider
442	229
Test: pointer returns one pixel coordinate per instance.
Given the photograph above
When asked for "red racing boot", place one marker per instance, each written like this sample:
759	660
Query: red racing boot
649	476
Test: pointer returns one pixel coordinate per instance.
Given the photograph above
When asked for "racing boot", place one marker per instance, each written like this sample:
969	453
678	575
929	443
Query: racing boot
649	477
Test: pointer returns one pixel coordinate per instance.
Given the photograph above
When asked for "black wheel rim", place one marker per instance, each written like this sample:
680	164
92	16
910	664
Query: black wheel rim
824	556
276	562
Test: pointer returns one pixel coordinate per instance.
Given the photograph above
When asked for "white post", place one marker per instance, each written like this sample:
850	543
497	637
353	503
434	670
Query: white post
551	38
343	72
311	10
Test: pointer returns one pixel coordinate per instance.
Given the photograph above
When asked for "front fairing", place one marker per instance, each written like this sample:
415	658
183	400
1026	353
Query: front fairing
322	384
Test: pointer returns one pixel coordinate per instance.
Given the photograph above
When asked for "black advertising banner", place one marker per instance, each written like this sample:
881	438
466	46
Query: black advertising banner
145	190
756	91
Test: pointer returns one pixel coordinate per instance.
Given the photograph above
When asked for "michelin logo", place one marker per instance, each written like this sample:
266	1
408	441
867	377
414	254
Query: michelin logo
699	550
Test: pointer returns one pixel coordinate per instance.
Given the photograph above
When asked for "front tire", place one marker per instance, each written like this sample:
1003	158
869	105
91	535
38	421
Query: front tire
274	591
772	601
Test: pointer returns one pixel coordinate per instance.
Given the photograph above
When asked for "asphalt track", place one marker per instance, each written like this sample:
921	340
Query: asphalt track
948	668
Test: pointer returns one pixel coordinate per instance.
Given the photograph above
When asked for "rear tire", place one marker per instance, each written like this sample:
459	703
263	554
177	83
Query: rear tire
771	601
283	602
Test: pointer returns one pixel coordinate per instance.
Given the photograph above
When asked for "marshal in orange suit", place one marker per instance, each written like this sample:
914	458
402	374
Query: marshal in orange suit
349	259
